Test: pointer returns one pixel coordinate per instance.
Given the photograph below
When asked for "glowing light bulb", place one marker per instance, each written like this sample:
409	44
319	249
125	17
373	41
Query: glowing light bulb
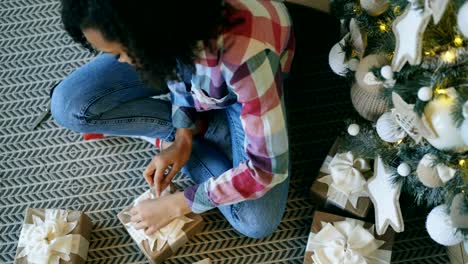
462	162
440	91
458	41
382	26
449	56
357	9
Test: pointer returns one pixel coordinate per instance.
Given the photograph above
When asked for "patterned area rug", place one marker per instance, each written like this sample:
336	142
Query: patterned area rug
50	167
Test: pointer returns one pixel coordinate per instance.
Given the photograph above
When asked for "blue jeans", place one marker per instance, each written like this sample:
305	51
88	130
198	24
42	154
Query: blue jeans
105	96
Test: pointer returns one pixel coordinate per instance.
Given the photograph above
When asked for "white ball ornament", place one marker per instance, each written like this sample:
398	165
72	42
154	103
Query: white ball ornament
375	7
337	57
439	114
425	94
440	227
462	19
353	129
388	129
404	169
387	72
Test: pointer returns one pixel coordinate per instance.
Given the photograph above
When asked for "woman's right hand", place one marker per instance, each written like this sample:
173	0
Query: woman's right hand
174	156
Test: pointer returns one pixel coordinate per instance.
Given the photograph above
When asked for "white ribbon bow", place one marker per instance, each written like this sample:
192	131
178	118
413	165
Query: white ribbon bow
49	241
171	234
345	180
346	242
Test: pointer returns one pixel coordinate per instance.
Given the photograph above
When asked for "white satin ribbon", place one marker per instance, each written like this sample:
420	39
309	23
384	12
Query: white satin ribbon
345	180
346	242
49	241
171	234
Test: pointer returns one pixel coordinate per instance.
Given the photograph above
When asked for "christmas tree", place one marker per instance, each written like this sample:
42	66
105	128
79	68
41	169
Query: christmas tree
407	65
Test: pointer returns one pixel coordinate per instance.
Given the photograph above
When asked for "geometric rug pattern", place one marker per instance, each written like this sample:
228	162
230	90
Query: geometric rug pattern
51	167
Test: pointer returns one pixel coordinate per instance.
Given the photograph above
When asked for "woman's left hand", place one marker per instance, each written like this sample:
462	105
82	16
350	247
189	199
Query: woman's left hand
153	214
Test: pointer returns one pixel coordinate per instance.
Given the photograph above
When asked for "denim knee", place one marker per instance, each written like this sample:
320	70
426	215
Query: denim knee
259	218
66	107
257	229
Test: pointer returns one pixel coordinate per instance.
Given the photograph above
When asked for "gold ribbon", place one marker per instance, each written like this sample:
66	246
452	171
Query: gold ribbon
48	241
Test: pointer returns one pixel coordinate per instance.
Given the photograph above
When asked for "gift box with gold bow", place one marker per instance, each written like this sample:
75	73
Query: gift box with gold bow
335	239
342	182
167	240
53	236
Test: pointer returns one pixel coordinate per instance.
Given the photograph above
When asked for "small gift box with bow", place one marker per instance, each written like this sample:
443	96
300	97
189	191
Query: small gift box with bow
167	240
342	182
335	239
53	236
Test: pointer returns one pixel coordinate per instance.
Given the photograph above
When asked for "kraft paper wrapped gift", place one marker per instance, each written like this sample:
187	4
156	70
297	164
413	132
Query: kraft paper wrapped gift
336	239
342	182
458	254
166	241
53	236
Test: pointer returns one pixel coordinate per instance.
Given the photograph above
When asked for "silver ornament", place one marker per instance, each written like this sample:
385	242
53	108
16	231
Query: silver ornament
388	129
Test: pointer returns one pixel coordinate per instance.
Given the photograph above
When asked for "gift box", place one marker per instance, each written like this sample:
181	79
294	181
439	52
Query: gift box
458	254
342	182
166	241
336	239
53	236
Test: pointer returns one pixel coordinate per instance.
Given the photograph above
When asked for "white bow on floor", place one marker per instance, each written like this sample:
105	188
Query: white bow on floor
346	242
49	241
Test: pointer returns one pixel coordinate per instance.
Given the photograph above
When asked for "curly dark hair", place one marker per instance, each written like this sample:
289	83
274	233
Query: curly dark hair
155	33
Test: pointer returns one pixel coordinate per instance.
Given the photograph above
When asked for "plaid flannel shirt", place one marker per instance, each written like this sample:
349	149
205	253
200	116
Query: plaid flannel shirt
248	66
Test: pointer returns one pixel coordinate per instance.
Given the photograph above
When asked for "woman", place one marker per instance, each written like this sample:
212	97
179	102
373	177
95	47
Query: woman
224	58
